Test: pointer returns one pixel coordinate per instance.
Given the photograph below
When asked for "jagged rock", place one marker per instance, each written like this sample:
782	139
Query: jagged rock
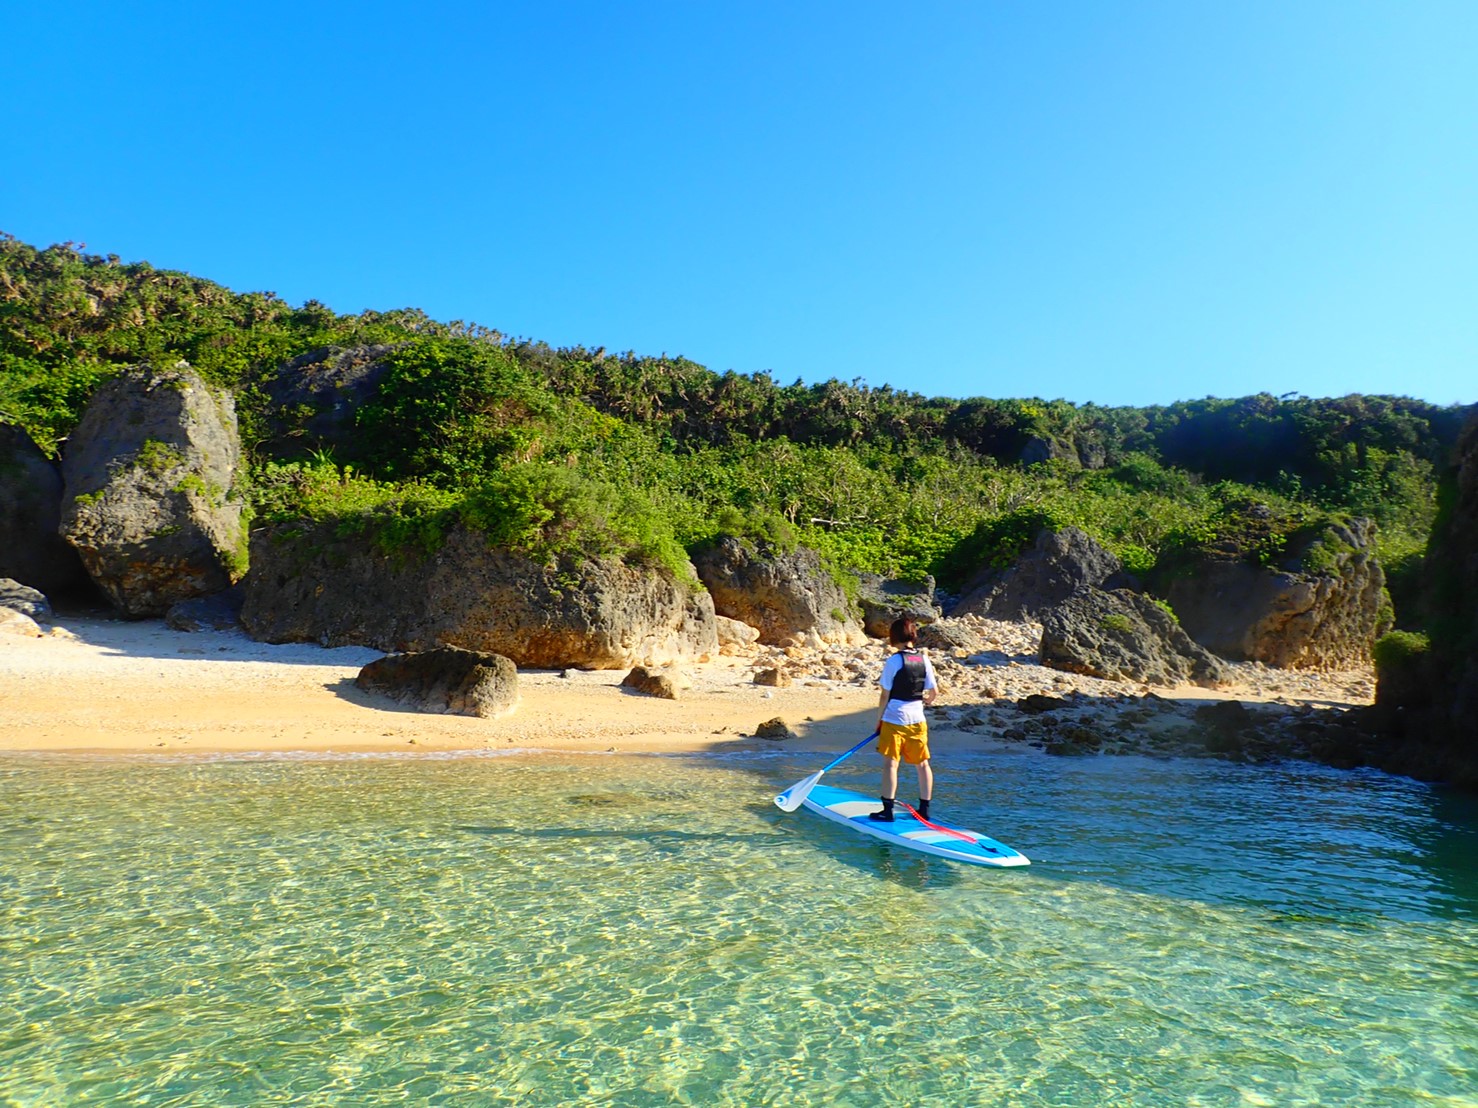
446	679
314	398
1037	703
949	635
18	623
883	600
1320	607
24	599
787	595
309	585
31	550
1124	636
150	502
773	677
1042	577
1046	449
1224	726
773	729
645	681
735	637
218	612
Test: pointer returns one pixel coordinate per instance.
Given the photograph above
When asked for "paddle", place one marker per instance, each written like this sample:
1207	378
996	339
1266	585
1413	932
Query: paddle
793	797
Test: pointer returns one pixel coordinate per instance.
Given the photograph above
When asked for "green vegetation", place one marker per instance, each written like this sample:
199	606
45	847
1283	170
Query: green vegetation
559	452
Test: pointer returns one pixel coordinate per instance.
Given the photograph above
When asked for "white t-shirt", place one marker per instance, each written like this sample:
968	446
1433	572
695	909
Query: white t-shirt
904	711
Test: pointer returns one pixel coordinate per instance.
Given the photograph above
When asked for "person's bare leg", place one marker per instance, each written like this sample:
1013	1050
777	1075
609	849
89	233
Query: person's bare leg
926	781
890	777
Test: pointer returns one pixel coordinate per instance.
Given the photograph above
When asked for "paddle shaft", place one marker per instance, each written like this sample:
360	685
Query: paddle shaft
842	758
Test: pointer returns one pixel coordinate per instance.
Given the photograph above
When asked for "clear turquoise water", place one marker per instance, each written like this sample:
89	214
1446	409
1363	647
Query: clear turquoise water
612	930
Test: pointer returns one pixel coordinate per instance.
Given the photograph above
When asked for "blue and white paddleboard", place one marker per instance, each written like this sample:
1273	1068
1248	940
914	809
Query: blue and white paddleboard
850	810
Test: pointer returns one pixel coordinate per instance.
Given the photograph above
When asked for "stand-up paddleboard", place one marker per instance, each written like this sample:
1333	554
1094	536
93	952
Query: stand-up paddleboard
850	810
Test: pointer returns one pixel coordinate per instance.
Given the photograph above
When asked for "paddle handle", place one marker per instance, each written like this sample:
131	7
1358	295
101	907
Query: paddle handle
842	758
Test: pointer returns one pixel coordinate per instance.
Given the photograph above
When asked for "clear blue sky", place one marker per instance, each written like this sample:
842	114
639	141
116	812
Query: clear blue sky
1118	202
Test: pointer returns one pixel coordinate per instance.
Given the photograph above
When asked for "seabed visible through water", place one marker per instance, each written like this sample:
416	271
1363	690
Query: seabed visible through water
599	929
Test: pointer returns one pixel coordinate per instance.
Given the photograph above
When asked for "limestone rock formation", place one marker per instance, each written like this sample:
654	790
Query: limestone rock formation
13	622
1047	574
884	600
314	398
446	679
950	635
307	584
1321	607
218	612
150	502
31	550
735	637
650	683
24	599
1125	636
787	595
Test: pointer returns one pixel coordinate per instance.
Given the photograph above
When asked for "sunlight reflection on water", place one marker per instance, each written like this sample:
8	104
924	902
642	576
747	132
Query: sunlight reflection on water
575	929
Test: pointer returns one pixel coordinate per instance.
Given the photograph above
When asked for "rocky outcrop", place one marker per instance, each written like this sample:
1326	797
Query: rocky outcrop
1057	564
24	599
1321	606
31	549
884	600
950	635
788	596
315	397
218	612
150	502
1426	703
1124	636
309	585
650	683
735	637
459	682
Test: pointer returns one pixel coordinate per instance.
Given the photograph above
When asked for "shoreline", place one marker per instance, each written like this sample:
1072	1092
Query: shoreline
104	686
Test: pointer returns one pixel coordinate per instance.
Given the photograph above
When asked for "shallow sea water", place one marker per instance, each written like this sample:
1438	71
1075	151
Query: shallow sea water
543	930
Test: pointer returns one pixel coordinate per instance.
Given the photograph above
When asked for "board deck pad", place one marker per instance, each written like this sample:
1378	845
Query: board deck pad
851	810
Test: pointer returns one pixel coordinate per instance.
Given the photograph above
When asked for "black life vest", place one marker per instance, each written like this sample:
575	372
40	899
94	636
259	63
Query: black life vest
908	682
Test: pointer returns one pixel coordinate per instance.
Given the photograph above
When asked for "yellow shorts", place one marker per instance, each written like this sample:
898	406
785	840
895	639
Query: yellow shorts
909	741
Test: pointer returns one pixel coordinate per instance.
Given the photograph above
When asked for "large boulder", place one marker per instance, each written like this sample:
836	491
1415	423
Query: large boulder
315	398
1120	635
787	595
883	600
31	549
1320	606
1058	563
447	679
309	584
151	503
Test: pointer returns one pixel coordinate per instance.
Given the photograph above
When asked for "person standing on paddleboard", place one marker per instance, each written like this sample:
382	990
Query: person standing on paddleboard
908	687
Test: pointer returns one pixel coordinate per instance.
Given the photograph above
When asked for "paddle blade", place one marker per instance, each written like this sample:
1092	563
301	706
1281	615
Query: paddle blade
793	797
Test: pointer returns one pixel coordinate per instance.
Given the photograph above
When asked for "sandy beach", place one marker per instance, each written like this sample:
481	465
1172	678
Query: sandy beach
94	684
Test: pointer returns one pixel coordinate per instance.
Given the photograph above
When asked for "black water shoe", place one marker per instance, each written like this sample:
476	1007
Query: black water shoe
923	809
886	815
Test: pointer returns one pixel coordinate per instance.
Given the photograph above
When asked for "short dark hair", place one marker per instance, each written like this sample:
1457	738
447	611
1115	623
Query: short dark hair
903	630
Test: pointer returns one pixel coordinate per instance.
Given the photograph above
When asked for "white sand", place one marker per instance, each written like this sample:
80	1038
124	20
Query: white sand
94	684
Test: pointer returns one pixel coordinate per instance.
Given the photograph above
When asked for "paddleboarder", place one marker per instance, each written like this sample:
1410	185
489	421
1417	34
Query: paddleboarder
908	687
